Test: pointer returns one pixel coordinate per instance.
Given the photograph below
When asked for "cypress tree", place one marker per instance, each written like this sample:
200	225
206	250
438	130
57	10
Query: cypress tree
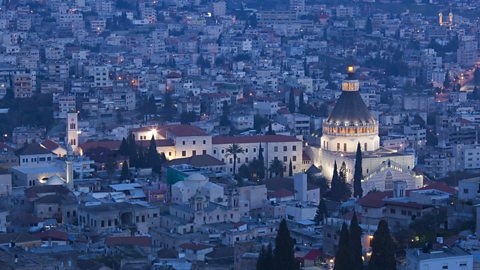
301	103
342	177
284	254
291	101
132	151
357	176
125	173
261	163
124	147
261	261
383	253
447	81
290	168
269	257
321	213
265	259
153	159
335	190
342	257
270	130
355	244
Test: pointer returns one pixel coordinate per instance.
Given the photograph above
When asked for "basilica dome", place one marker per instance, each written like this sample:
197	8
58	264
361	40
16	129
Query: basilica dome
350	123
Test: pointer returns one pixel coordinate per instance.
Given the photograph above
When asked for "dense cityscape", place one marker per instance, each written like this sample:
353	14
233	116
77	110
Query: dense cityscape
239	134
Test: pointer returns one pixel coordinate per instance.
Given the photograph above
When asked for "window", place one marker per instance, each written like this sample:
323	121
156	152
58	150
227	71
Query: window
246	150
365	147
344	147
194	142
184	153
102	223
294	158
254	150
204	142
294	148
194	152
204	152
285	159
214	151
183	142
338	146
275	149
392	211
285	148
465	190
246	160
231	161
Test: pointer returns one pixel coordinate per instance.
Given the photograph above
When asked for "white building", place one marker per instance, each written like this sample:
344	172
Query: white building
182	191
448	258
469	189
351	124
283	148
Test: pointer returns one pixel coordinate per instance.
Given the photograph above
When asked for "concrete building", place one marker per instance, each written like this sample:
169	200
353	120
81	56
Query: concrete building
448	258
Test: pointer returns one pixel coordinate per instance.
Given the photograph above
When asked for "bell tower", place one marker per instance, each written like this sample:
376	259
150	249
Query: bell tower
72	131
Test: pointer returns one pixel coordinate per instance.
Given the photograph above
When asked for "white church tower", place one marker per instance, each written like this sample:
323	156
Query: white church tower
72	131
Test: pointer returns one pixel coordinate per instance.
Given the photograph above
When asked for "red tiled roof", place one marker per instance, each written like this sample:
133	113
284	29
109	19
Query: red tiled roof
144	241
4	146
440	186
50	145
312	255
253	139
159	143
375	199
407	204
194	246
110	145
33	149
176	130
53	235
280	193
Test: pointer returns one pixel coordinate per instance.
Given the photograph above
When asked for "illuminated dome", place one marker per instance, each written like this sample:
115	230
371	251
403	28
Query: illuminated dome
55	181
196	177
350	123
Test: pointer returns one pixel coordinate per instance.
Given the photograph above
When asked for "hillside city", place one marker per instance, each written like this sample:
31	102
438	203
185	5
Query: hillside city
239	134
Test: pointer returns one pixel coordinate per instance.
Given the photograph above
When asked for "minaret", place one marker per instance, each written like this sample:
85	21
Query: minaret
440	18
450	18
72	131
69	173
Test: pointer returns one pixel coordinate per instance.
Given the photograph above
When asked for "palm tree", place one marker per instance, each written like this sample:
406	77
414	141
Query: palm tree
233	150
276	167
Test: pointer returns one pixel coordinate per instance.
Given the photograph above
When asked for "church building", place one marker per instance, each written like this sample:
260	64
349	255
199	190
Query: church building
350	123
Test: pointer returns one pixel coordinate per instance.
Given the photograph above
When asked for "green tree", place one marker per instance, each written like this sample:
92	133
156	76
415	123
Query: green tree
383	249
132	151
301	103
276	168
123	147
110	167
342	256
357	176
233	151
187	117
284	253
270	130
291	101
153	158
336	189
125	173
224	121
321	213
476	76
168	107
368	26
342	177
290	169
244	171
447	82
355	244
265	258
